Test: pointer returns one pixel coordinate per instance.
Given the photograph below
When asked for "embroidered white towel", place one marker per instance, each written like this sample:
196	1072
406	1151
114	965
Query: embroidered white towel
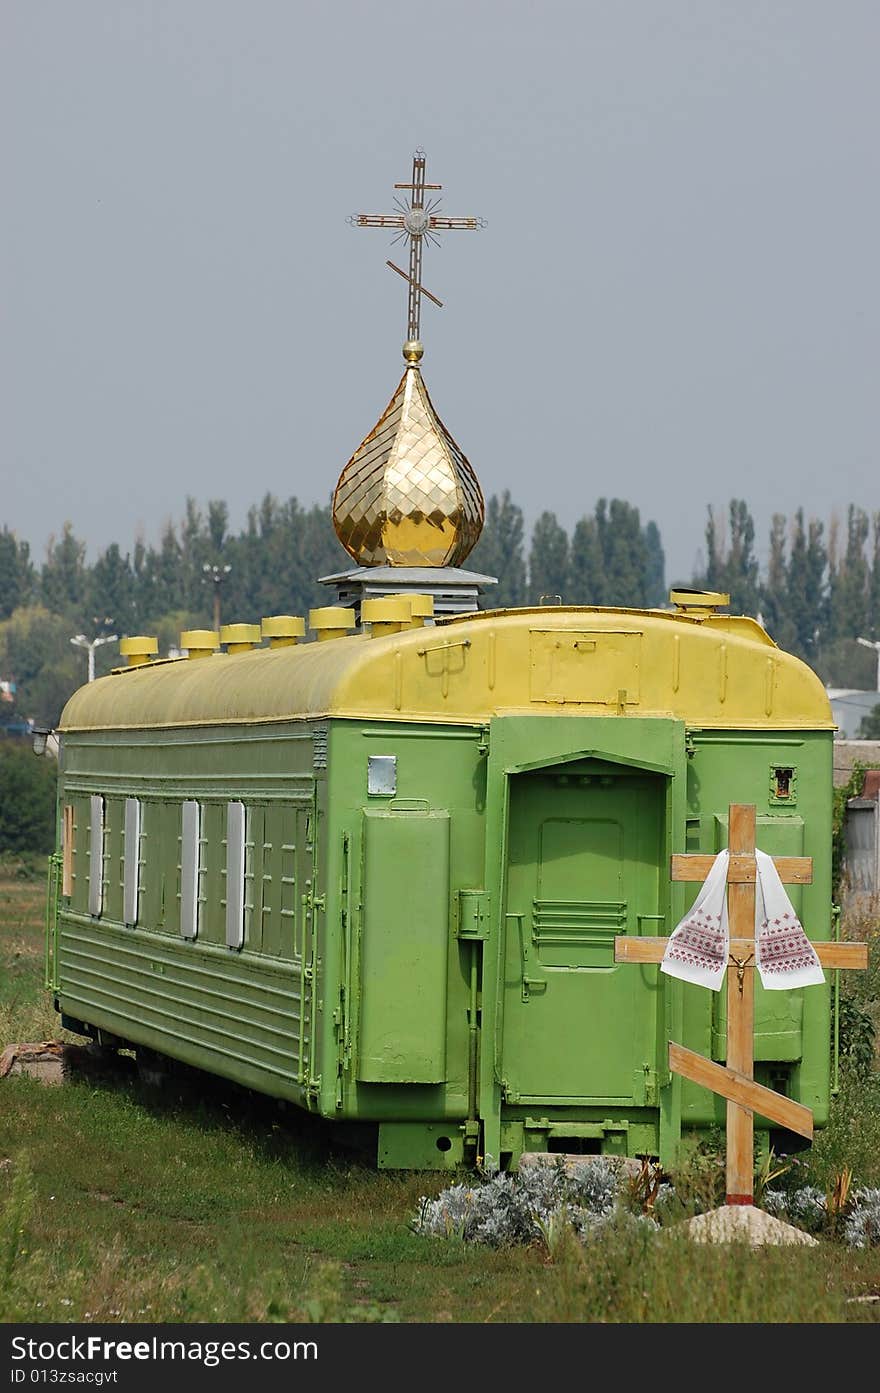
784	955
698	947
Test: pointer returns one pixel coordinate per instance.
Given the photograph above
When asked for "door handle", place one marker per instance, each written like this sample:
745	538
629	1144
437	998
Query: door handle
529	984
650	918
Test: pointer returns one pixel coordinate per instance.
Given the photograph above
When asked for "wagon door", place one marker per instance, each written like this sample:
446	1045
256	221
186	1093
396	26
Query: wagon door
585	854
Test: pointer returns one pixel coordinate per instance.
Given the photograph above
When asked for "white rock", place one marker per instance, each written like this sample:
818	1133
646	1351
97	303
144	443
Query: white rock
743	1223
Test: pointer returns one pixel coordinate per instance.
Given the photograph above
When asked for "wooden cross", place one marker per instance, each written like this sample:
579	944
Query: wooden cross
735	1081
416	220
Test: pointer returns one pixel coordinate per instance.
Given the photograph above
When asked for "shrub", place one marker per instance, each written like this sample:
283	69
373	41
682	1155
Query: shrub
536	1204
862	1228
807	1207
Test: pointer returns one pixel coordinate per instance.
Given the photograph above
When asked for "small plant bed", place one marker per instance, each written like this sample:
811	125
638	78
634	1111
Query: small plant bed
583	1199
541	1202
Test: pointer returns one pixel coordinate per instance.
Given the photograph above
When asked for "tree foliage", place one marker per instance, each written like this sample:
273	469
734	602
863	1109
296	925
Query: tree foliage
16	573
499	552
819	593
27	798
35	652
870	725
610	559
731	564
548	561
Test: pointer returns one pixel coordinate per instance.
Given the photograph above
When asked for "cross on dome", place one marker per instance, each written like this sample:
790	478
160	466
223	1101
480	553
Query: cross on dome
416	220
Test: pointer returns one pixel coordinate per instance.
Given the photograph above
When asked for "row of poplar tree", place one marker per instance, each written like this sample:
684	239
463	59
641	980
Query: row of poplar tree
817	593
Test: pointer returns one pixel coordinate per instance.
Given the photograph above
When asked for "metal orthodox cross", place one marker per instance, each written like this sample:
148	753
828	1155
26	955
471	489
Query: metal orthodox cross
416	220
735	1081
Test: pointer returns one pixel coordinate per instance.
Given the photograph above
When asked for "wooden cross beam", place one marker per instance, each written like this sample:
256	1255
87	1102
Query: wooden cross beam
735	1081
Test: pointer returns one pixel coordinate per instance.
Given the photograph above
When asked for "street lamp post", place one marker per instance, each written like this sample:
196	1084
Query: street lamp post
217	575
90	645
875	644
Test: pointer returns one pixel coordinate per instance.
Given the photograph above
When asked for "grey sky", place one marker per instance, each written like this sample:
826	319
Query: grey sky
675	300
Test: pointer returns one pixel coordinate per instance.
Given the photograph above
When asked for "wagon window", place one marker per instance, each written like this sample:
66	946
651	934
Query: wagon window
96	854
67	836
783	784
190	857
382	775
236	834
132	861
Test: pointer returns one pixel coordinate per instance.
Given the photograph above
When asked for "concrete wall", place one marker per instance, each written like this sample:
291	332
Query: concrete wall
847	752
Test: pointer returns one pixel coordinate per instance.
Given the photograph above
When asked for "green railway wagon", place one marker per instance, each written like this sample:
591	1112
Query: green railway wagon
381	877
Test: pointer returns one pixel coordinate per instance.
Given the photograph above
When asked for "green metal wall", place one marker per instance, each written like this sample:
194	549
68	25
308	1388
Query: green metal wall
439	960
688	779
395	964
250	1014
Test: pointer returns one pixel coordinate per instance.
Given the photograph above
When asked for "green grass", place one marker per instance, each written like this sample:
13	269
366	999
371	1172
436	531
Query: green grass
25	1007
198	1202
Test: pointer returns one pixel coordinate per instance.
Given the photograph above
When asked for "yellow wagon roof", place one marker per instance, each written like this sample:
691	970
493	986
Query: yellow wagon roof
713	671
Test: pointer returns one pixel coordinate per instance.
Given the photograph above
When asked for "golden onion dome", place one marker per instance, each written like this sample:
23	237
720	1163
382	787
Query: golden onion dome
408	496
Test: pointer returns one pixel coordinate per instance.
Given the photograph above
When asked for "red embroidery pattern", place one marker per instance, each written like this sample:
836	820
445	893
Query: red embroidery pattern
783	946
699	941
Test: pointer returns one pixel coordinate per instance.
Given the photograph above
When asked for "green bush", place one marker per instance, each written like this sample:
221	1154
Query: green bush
27	799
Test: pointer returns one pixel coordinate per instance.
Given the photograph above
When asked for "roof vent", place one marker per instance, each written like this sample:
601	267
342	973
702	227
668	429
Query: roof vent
138	649
422	607
388	615
283	630
240	638
331	622
699	604
200	643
